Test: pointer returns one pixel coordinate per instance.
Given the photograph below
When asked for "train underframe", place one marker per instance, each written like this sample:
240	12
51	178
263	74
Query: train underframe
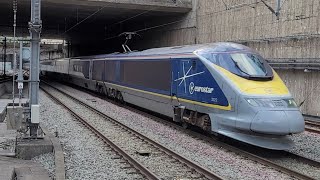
182	115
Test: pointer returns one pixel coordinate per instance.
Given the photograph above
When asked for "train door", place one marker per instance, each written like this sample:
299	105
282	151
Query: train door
194	84
177	109
186	73
174	85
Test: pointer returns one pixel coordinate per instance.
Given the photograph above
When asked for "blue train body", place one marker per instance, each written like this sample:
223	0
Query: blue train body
224	88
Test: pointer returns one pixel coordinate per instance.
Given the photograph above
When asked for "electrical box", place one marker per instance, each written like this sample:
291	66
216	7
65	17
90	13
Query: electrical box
35	114
26	54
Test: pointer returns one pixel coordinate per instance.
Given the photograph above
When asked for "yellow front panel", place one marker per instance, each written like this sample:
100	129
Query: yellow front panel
250	87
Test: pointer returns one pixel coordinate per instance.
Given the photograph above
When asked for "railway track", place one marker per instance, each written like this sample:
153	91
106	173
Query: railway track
273	161
127	143
312	126
250	152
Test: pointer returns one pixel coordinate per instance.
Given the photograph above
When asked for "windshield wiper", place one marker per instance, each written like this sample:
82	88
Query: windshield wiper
261	65
238	67
263	78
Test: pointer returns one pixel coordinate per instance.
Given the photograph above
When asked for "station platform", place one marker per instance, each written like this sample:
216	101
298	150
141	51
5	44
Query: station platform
7	141
13	168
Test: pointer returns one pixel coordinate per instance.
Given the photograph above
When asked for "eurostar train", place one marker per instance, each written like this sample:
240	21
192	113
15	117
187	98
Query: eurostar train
225	88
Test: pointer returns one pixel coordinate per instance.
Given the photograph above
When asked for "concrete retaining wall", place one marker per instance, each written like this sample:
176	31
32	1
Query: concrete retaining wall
295	35
304	87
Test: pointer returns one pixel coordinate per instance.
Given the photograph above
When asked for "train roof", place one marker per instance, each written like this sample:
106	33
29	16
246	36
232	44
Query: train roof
178	50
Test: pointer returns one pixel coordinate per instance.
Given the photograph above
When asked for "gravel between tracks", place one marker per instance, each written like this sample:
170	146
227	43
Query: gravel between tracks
86	157
47	161
157	162
311	171
223	162
307	145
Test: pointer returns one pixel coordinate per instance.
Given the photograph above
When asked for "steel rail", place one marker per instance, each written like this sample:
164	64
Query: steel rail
312	119
203	171
214	140
313	124
313	130
251	156
302	158
127	157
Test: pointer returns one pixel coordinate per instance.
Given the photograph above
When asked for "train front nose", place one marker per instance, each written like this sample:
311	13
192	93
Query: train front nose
278	122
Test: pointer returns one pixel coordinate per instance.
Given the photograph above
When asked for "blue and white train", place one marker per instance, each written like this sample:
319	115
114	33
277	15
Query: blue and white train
224	88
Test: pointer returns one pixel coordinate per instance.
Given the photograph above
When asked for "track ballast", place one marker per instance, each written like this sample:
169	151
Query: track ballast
151	159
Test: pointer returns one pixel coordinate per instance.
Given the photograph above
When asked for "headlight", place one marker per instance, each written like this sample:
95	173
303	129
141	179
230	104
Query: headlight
272	103
252	102
261	102
291	103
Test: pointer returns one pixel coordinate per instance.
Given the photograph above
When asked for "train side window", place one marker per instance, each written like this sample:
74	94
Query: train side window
194	65
211	57
226	62
223	63
214	58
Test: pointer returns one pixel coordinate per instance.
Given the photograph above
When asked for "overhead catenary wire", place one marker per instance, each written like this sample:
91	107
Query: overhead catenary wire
177	21
132	17
101	8
263	23
145	29
142	13
78	23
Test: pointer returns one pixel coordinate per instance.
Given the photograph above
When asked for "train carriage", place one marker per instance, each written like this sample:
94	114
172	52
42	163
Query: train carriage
224	88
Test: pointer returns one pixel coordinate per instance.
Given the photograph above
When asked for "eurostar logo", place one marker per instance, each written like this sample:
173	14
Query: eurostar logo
193	88
185	76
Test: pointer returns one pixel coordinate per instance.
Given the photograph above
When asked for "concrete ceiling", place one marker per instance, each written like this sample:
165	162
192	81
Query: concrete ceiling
60	16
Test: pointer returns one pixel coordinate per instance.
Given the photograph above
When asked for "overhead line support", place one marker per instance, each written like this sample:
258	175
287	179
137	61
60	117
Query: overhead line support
35	26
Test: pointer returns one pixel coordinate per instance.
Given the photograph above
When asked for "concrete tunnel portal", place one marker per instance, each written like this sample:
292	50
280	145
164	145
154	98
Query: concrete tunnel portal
92	27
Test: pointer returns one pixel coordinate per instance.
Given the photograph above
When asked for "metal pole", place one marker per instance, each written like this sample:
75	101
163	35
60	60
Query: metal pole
68	54
15	8
20	74
4	56
35	26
